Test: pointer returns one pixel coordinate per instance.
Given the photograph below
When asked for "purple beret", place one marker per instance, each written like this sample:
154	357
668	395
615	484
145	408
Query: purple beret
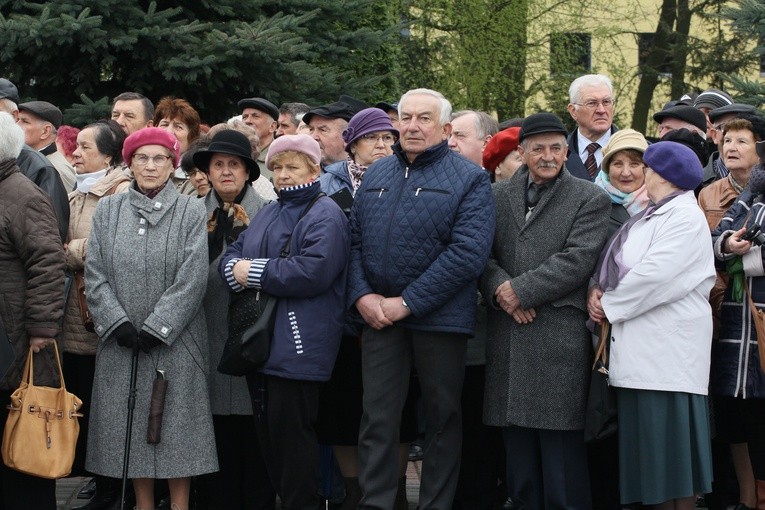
676	163
151	136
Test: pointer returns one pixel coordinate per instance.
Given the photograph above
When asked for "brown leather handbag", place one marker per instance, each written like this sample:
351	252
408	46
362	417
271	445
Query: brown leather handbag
82	302
42	427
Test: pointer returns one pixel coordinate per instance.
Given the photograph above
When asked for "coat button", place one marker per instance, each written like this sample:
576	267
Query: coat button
164	331
157	206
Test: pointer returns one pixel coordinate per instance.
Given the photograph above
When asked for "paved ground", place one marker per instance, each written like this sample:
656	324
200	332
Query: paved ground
67	488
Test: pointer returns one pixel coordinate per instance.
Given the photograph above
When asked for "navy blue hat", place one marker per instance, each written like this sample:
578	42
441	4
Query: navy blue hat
345	109
9	90
261	104
539	123
736	108
676	163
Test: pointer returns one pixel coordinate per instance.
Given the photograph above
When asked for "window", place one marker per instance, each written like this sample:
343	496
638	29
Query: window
645	47
570	53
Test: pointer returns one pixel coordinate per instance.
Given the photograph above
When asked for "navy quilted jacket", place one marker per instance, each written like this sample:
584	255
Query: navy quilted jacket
423	231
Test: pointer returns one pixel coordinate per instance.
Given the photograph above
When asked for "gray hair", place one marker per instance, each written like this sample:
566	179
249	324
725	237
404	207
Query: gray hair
588	80
446	106
295	111
485	124
8	106
11	137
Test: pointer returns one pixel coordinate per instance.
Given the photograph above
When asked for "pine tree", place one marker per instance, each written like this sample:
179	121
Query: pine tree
209	52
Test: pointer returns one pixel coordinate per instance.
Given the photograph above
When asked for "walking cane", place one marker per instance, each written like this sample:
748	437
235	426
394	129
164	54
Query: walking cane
129	431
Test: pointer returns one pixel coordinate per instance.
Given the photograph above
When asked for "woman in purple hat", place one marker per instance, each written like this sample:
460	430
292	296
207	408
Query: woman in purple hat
370	136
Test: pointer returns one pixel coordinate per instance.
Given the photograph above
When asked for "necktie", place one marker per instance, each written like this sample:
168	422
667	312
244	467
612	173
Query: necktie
591	163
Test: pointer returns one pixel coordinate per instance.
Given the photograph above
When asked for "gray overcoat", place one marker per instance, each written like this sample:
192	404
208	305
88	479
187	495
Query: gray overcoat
228	394
537	375
147	263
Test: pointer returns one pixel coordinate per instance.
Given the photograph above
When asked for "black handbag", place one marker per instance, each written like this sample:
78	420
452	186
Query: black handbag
600	416
251	318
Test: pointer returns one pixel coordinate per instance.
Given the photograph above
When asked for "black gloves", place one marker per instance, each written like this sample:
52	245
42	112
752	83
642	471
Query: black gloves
147	341
126	335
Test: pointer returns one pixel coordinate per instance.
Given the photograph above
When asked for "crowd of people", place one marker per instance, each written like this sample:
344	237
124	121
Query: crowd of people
441	283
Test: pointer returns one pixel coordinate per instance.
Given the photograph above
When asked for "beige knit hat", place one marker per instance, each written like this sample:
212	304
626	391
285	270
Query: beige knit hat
621	140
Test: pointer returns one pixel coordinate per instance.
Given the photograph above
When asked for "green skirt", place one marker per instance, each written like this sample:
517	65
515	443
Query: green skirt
664	445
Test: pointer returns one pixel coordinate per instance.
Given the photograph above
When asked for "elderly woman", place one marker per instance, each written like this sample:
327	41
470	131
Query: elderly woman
178	117
501	156
97	163
738	382
197	178
145	276
739	154
32	265
655	275
310	287
231	205
369	136
622	177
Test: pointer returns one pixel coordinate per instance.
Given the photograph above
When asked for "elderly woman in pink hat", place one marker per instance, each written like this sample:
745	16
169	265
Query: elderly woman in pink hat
309	282
145	277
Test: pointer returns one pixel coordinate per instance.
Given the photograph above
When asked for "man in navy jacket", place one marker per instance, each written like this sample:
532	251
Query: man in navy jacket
422	225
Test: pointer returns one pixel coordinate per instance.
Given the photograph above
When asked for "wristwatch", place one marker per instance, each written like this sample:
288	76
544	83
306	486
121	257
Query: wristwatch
403	303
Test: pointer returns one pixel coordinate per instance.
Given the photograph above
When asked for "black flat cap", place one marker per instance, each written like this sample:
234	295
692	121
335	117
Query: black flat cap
261	104
539	123
738	108
9	90
685	113
45	110
345	108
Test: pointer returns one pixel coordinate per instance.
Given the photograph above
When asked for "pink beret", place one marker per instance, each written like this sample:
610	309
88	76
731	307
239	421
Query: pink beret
151	136
298	143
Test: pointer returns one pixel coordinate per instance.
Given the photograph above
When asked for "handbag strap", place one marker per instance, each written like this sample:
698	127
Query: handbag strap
755	319
29	368
286	249
601	351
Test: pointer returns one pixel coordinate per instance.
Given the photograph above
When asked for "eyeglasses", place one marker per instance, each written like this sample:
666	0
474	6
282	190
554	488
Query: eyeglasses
143	159
592	105
387	139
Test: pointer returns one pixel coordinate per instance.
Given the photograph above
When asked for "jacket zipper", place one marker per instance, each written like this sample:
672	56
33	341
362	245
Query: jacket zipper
390	223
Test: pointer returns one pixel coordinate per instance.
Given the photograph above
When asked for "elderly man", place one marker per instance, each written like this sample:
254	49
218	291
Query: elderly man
261	114
132	111
471	131
326	124
681	116
591	105
550	231
421	228
290	115
40	121
34	165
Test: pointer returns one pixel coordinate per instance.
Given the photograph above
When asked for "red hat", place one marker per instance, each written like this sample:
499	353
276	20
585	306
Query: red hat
151	136
499	146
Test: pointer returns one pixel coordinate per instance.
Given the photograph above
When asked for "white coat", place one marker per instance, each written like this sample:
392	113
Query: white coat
662	322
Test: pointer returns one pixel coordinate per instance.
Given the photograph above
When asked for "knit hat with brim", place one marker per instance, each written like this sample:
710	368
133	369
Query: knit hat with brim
712	98
232	143
622	140
369	120
676	163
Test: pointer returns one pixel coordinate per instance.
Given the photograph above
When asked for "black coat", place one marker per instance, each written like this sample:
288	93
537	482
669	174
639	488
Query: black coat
41	171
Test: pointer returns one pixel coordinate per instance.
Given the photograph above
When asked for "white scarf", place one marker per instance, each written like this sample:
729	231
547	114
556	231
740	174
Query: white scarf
86	181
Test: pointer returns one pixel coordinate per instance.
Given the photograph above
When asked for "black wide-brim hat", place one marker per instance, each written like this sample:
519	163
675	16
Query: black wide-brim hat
230	142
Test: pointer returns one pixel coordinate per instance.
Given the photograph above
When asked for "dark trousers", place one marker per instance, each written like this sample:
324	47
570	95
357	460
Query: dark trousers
242	483
386	360
17	490
547	469
287	438
603	463
78	374
482	449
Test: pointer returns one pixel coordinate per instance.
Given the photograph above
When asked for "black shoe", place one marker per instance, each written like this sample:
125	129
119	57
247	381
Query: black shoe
88	491
107	495
415	452
508	504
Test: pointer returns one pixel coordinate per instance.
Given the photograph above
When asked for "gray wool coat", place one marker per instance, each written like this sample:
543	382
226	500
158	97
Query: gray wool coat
147	263
537	374
228	394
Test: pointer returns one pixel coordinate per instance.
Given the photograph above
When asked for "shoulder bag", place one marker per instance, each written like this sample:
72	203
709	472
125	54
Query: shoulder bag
251	318
600	414
42	427
758	318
